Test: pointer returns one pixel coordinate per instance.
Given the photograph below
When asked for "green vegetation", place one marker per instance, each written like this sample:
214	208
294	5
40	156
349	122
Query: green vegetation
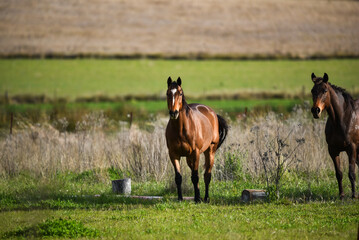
153	106
57	166
67	205
89	77
141	110
55	228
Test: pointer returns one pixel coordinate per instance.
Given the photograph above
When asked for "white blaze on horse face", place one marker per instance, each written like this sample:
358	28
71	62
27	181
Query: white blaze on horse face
173	96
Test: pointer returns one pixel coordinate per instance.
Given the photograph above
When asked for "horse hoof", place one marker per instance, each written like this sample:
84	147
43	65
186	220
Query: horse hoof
206	200
198	200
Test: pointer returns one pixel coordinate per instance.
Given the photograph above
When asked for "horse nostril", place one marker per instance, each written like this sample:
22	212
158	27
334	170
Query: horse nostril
317	110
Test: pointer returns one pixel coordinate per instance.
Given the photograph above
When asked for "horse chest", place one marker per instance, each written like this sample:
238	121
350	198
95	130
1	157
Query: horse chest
334	136
179	144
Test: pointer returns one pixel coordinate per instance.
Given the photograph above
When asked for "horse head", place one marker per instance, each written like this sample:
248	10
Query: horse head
320	94
174	97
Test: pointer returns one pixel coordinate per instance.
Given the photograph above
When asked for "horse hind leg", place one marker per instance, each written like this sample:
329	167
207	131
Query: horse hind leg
334	154
352	157
209	160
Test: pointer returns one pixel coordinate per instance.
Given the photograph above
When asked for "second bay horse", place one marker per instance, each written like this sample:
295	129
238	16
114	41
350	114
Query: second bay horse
192	129
342	127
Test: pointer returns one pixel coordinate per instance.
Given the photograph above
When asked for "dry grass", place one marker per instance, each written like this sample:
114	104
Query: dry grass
156	28
43	151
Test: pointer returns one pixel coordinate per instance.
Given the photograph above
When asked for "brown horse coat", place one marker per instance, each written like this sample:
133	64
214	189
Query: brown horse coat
342	127
192	129
198	119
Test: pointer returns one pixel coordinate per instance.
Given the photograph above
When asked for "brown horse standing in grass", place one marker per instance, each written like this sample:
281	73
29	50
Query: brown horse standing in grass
192	129
342	128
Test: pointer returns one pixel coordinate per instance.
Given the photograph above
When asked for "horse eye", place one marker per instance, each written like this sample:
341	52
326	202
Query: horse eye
325	90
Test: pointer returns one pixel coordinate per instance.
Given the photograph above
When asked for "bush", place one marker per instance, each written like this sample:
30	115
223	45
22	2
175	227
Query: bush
55	228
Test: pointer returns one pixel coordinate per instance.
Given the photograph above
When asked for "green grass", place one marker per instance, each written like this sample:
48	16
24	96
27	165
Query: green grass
88	77
71	203
55	228
153	106
171	220
142	110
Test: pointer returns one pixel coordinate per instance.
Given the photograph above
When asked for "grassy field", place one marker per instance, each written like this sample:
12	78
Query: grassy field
76	78
55	170
71	197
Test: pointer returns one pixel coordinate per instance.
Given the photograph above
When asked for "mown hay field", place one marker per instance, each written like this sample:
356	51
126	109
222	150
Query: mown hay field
232	29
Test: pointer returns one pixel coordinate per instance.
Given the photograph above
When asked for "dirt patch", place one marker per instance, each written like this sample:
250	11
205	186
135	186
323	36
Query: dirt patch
161	28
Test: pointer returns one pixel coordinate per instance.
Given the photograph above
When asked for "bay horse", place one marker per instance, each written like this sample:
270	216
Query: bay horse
342	127
192	129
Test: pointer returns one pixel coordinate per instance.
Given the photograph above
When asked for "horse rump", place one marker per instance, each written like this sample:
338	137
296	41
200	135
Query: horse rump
223	130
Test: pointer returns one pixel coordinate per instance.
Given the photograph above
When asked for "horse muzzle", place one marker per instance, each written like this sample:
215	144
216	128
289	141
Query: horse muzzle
174	114
316	112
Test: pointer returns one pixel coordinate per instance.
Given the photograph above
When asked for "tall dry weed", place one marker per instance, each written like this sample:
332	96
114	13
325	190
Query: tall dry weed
43	150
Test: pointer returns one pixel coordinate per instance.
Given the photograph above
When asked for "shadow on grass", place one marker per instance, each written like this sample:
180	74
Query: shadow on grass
88	192
109	201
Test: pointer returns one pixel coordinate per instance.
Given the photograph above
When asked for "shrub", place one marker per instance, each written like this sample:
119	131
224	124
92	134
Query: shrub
55	228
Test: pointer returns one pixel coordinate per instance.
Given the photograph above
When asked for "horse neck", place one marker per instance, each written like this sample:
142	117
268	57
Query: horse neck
182	121
336	110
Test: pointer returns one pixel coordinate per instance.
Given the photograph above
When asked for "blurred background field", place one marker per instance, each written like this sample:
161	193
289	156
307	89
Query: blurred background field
73	79
71	88
185	29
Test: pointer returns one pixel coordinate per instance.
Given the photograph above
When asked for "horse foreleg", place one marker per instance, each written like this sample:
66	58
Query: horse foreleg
178	176
334	154
352	155
194	162
209	155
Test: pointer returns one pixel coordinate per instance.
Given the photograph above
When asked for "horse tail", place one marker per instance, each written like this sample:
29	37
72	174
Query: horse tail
223	130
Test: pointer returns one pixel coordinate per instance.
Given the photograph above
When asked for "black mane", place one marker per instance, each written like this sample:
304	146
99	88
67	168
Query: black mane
345	94
347	97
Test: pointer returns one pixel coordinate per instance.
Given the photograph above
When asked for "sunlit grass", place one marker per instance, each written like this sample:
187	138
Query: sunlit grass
88	77
27	203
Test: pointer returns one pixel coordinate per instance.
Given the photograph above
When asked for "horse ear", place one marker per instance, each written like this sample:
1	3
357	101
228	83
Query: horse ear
325	77
313	77
179	81
169	81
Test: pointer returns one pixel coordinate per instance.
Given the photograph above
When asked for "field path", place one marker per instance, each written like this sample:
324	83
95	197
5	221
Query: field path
179	28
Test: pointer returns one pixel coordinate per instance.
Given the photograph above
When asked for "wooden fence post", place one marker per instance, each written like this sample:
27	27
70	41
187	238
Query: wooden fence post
11	121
